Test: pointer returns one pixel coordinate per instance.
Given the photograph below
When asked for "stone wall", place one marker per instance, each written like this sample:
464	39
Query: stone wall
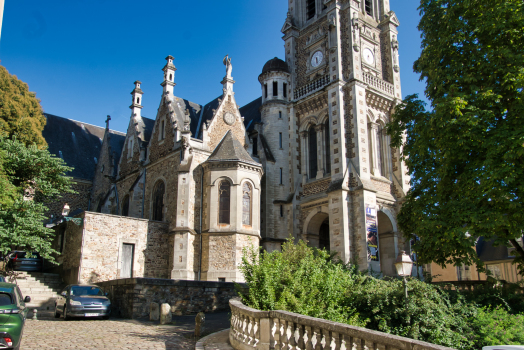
72	235
103	236
130	298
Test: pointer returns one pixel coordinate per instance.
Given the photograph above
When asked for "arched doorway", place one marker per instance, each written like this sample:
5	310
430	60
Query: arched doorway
388	241
317	230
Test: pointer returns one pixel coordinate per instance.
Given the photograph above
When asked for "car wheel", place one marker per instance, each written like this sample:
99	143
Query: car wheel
105	317
57	314
65	314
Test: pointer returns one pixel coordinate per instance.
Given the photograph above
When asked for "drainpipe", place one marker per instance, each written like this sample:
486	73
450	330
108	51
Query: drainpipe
201	212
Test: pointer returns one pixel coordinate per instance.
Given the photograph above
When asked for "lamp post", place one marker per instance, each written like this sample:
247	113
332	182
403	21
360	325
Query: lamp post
404	266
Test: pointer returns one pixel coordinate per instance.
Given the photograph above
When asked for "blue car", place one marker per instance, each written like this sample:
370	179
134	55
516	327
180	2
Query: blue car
77	300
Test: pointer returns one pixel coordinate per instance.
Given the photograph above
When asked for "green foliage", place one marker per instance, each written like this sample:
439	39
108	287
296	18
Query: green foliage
466	155
308	281
30	176
20	111
496	327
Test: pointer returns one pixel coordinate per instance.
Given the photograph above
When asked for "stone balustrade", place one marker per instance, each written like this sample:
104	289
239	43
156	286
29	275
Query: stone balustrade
311	87
378	84
255	329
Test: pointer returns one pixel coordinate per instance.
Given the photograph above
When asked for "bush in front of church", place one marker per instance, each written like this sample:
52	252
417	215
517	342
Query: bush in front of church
311	282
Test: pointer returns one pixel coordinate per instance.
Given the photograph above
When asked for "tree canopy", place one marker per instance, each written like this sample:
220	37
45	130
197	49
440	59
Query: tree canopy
20	111
30	178
465	155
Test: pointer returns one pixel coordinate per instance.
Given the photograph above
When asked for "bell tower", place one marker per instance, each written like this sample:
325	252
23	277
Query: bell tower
345	82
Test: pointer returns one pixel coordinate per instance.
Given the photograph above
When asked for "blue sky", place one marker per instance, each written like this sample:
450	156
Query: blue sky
81	57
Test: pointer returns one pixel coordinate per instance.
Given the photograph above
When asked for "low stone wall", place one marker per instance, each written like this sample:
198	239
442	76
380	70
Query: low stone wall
131	297
263	330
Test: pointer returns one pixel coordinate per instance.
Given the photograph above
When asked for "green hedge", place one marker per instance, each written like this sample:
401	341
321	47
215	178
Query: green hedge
309	281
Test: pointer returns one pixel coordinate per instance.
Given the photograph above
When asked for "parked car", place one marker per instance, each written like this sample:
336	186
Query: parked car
23	261
13	314
78	300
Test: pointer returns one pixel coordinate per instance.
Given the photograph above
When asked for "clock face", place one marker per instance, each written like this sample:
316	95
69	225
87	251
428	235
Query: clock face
368	55
317	58
229	118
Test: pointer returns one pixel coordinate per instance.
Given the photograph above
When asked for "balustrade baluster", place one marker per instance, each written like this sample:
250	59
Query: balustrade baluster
244	328
250	336
291	336
316	339
308	334
275	329
326	339
335	341
299	337
256	331
283	335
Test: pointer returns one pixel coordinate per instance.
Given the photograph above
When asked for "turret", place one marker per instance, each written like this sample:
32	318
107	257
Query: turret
136	105
169	75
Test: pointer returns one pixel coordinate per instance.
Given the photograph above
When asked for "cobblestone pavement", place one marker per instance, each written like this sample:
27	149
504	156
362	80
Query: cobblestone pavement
112	334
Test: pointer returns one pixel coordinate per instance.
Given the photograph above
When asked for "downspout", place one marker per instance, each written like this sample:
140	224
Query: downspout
201	212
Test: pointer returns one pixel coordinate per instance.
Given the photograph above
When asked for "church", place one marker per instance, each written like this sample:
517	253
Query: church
182	195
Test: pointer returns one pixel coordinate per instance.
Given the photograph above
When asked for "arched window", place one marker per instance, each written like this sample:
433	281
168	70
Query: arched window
310	9
158	201
224	194
247	194
328	147
368	7
312	152
125	206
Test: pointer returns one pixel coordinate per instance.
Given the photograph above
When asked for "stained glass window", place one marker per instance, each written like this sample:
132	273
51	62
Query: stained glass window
224	202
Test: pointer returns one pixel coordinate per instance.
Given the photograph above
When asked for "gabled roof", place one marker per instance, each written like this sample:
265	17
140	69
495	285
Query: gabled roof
251	113
77	143
230	149
487	252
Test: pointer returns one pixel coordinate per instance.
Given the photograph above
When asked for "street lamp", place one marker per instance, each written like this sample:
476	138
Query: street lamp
404	266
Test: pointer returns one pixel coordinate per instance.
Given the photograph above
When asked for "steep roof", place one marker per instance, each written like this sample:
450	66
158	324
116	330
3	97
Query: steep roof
77	143
230	149
145	128
487	252
251	113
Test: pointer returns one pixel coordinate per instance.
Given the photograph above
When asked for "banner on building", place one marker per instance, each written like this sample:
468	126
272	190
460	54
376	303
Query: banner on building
372	232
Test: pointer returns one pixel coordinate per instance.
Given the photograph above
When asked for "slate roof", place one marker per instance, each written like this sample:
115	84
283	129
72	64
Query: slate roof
487	252
251	114
145	127
275	65
230	149
267	150
77	143
207	114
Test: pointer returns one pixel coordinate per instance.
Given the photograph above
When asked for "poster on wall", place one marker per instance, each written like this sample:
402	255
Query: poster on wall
372	232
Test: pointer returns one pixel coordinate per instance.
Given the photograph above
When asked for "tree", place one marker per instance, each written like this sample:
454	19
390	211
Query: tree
31	177
465	155
20	111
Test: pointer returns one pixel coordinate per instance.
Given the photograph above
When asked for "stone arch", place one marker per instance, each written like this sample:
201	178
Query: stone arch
371	116
388	241
307	122
217	180
314	222
322	119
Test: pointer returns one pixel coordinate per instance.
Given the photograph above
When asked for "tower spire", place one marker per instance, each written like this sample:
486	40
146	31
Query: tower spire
136	106
169	75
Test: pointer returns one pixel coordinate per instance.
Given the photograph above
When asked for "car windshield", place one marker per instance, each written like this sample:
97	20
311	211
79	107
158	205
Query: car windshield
85	290
5	299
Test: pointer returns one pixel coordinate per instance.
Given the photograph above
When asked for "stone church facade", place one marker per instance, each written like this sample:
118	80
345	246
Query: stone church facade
181	195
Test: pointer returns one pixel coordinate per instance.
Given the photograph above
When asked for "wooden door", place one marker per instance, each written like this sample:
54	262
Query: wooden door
128	252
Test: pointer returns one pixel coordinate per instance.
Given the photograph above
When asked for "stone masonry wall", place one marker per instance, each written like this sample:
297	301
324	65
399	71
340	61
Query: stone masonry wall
104	236
71	255
130	298
165	170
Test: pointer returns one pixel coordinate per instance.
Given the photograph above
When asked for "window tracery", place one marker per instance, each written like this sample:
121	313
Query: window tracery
246	204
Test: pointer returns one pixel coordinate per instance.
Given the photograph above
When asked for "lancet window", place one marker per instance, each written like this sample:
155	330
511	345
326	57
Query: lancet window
125	206
224	205
158	201
312	152
247	195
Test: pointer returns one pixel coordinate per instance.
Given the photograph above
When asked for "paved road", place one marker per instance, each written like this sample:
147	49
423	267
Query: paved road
116	334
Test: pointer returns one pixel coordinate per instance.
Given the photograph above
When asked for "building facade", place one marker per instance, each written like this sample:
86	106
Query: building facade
309	159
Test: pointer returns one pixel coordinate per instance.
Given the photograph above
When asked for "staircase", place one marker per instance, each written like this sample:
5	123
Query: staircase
43	288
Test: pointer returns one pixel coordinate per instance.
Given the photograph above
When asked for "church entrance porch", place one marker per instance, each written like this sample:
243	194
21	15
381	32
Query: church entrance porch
317	231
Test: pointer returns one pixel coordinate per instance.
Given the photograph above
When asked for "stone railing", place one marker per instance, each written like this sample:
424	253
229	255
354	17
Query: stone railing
311	87
378	84
254	329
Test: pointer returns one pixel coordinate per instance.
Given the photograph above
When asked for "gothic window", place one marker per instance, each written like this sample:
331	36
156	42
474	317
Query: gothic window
275	88
328	147
224	194
312	152
280	113
280	140
284	90
368	7
310	9
265	90
162	130
246	204
380	151
281	176
125	206
255	146
158	201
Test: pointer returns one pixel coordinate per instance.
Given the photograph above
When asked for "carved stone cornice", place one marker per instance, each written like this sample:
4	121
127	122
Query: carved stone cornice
378	102
313	104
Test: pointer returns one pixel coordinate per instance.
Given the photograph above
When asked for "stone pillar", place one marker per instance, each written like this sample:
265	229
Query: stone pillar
305	165
320	151
339	225
373	148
